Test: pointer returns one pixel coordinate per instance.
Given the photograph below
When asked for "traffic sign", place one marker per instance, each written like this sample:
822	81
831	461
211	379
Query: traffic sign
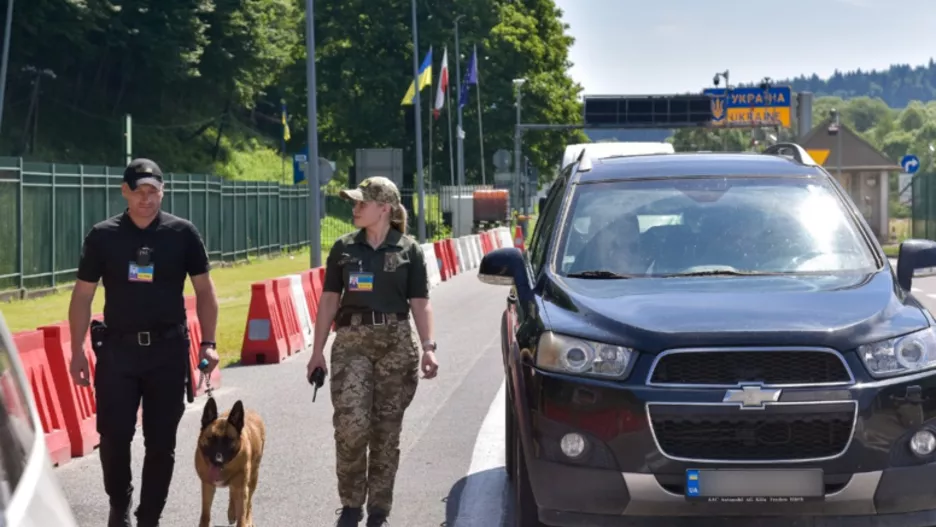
653	111
300	163
502	159
910	163
751	106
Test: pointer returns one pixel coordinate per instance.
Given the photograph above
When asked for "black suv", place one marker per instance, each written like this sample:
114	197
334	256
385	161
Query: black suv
715	339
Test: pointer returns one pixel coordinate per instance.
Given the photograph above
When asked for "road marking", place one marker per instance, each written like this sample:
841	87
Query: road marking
916	290
931	295
482	501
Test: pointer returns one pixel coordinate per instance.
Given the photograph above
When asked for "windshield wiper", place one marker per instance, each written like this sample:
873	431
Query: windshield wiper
597	273
715	272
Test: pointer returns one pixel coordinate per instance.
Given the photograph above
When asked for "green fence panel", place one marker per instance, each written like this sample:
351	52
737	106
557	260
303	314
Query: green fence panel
48	208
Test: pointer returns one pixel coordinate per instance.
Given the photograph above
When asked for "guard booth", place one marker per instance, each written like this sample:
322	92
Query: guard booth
865	171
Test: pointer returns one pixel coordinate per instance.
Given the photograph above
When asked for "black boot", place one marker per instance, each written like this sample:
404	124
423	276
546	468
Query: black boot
377	518
349	517
119	517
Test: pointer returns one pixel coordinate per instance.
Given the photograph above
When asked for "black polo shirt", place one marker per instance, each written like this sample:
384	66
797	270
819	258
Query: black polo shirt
382	279
143	297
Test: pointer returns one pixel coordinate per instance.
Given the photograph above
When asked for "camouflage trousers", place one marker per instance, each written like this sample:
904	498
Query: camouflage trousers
374	373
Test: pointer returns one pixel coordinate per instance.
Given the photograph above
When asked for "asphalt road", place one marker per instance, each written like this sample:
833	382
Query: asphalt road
297	478
451	471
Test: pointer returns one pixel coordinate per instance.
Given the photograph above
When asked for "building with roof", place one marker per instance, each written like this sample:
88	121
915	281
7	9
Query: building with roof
862	170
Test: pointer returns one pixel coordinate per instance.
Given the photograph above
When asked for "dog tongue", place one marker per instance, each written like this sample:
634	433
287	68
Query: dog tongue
214	472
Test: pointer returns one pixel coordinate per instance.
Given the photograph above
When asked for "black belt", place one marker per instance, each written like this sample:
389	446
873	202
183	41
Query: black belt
147	338
369	318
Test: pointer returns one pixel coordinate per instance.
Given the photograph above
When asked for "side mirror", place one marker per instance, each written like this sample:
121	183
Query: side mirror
913	255
505	266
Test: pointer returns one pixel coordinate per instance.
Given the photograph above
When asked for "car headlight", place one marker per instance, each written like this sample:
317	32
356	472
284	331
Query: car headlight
566	354
902	355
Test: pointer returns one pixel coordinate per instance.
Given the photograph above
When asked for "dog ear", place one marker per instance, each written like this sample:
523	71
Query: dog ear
210	413
236	417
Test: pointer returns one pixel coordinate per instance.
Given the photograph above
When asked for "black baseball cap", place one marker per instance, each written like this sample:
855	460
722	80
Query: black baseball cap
143	171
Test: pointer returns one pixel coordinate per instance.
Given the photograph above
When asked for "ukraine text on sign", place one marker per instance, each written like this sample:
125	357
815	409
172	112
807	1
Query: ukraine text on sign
751	106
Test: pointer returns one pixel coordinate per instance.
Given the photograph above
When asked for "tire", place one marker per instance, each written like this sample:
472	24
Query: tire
510	432
526	513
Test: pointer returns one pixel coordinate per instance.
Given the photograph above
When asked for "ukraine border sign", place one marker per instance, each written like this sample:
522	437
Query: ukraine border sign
751	107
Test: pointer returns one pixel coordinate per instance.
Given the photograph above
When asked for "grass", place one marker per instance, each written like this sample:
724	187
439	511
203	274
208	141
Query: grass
233	291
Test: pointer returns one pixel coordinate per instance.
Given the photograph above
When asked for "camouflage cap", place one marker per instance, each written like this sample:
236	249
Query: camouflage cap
379	189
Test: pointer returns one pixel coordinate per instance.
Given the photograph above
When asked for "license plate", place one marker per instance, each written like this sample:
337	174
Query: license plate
754	486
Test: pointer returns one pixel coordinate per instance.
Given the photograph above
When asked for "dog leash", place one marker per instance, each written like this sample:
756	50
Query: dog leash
202	366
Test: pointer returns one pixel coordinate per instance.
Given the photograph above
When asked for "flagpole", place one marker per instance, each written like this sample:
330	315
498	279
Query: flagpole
480	117
451	145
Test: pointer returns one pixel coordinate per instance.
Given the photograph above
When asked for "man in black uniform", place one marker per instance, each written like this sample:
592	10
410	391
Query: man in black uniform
142	256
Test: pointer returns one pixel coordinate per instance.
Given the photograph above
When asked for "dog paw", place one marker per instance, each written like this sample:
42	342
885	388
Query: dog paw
205	521
232	516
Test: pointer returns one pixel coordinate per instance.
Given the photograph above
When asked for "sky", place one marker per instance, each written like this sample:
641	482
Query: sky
633	47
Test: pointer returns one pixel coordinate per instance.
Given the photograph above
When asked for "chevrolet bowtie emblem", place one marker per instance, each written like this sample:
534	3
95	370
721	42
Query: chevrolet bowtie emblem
752	397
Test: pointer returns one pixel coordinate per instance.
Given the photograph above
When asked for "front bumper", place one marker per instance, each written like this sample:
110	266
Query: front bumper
900	497
625	478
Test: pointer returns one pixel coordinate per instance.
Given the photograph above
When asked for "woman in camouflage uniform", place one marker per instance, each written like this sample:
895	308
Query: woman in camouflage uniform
374	277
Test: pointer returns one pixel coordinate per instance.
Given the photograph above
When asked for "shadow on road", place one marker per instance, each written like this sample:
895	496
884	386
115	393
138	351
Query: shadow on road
480	500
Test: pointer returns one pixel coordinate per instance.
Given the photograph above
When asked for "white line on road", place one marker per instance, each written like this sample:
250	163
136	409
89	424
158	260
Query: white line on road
931	295
482	501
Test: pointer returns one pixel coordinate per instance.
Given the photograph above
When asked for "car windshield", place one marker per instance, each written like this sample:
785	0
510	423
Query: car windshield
710	226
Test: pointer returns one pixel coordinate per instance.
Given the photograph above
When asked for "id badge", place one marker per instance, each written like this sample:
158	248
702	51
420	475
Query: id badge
361	282
141	273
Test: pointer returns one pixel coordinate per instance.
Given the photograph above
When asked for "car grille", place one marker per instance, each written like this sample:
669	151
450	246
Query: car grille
776	433
729	368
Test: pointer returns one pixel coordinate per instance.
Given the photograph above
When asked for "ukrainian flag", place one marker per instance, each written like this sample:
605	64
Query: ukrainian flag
425	79
286	134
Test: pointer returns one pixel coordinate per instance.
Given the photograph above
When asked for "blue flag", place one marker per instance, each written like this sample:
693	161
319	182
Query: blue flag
471	77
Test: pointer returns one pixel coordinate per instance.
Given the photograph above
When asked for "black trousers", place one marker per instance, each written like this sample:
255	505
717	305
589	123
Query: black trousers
127	374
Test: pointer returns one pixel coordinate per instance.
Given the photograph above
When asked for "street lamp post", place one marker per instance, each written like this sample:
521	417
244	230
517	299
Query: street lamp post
312	174
518	83
457	191
459	133
715	80
421	223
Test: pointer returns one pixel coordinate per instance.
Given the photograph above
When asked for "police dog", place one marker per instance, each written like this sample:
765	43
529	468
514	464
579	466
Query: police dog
228	454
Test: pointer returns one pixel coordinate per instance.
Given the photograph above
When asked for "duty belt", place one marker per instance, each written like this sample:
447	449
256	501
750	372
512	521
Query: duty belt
369	318
150	337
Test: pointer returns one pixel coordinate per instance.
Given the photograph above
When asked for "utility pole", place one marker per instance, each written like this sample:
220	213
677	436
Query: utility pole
6	57
312	166
419	156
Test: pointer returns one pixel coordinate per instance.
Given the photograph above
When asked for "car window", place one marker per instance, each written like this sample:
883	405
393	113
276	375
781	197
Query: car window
686	225
545	225
16	427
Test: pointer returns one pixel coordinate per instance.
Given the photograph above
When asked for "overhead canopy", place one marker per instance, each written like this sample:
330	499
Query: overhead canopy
857	154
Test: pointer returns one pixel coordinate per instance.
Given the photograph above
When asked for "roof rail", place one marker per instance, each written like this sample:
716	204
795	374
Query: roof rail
793	151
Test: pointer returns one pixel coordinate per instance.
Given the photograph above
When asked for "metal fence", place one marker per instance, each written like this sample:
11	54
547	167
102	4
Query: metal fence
48	208
923	207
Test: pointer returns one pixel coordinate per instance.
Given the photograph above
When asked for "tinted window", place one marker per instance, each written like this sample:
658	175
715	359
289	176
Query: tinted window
545	226
673	226
16	427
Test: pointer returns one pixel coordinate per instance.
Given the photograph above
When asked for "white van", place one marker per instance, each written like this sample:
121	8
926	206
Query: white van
624	148
30	493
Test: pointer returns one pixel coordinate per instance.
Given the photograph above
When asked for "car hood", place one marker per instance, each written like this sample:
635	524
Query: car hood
839	311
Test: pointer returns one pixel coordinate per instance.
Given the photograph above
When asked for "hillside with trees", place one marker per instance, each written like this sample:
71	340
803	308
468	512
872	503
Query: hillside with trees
204	81
897	86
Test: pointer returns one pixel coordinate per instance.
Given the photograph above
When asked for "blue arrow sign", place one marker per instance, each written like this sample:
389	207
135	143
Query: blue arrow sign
910	163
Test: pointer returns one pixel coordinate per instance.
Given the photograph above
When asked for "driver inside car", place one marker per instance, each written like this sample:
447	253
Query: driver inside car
615	246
